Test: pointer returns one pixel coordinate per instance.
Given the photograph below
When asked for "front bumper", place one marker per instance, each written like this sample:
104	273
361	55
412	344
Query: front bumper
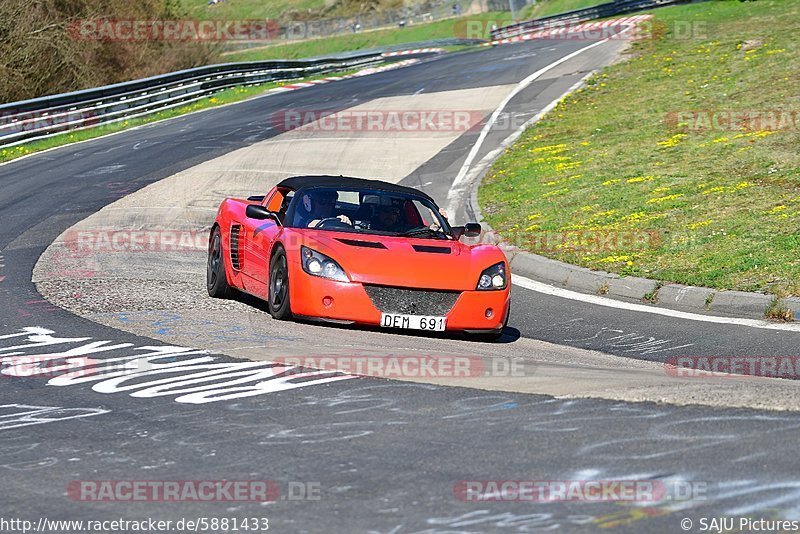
350	302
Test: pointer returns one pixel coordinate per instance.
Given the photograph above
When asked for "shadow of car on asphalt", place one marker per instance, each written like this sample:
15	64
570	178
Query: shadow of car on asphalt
510	334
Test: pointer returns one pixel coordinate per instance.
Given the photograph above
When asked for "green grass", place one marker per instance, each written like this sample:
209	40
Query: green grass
226	96
723	206
247	9
331	45
544	8
289	9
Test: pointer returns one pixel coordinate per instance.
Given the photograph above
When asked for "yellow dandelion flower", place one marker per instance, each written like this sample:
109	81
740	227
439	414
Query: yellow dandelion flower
614	259
556	192
699	224
659	200
672	141
550	148
567	166
718	189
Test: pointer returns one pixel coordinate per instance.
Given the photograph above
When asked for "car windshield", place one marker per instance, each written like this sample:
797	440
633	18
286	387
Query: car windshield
367	211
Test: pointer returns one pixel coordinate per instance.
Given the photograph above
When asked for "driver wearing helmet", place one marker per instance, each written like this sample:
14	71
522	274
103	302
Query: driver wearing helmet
318	206
388	217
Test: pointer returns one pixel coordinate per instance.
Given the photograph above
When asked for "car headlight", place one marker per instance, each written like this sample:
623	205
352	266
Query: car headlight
318	264
493	278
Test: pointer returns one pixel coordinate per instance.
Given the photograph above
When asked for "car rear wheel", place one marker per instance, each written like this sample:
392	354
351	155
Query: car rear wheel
216	280
278	296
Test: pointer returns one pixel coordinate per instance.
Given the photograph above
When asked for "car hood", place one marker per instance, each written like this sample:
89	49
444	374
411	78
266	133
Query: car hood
405	262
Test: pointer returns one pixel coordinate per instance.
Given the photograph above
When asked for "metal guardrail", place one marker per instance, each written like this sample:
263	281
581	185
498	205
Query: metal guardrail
51	115
609	9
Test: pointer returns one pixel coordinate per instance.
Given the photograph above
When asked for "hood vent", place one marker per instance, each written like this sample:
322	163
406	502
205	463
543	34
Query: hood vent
365	244
432	249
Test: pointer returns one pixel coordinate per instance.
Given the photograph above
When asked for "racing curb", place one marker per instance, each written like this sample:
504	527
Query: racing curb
554	33
667	295
629	288
363	72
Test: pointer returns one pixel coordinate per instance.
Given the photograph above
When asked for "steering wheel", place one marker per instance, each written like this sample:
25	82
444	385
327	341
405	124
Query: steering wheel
333	222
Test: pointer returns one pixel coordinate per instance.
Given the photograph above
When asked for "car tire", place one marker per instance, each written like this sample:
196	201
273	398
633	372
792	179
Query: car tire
278	294
216	279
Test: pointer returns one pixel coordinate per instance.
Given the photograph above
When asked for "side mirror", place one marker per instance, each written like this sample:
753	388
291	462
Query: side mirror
254	211
472	230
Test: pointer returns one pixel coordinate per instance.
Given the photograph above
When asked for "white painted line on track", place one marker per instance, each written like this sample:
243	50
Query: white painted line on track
460	181
508	141
540	287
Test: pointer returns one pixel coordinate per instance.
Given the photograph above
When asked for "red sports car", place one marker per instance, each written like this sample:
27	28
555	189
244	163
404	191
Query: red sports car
349	250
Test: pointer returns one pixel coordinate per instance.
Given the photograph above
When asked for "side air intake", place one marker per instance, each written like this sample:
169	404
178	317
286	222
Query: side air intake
236	246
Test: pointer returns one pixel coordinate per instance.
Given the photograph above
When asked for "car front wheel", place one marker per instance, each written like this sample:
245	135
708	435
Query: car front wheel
278	296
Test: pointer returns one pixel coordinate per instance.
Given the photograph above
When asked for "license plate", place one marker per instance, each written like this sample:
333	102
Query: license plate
413	322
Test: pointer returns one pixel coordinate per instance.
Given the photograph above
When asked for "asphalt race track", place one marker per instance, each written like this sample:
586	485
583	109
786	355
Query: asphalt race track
385	456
